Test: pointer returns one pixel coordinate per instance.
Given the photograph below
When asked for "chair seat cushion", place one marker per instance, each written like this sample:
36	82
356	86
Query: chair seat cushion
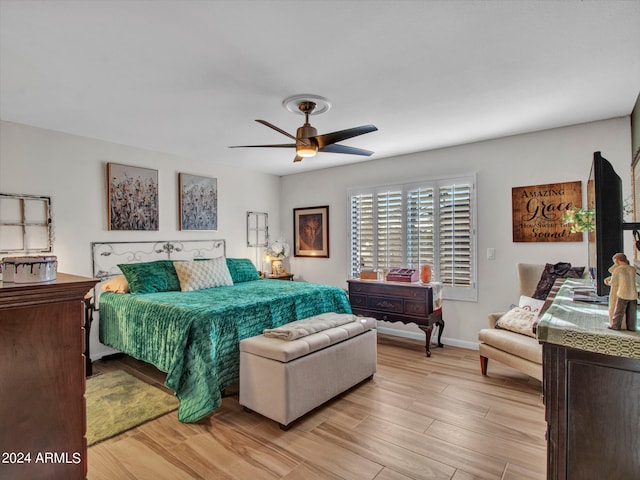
514	343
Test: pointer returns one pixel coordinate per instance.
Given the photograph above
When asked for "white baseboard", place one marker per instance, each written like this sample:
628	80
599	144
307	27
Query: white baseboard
454	342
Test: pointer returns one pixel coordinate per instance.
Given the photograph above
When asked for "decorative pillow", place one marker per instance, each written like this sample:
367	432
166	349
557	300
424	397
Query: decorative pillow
531	304
150	277
203	274
242	270
117	284
518	320
549	275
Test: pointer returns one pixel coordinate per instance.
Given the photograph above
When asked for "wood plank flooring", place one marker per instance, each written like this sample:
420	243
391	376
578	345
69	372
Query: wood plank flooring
419	418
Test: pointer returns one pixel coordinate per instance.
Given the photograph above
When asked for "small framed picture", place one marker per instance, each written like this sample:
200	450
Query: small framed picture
311	232
133	197
198	202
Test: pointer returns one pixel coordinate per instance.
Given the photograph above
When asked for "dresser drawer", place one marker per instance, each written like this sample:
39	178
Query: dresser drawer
385	304
358	300
418	309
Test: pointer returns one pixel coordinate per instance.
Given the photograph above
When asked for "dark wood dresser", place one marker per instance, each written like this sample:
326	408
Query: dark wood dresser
42	379
591	386
399	302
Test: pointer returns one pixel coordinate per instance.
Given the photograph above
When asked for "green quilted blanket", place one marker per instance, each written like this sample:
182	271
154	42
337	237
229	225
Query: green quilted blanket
194	336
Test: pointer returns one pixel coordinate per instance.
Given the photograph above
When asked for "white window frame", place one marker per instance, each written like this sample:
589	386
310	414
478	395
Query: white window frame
450	292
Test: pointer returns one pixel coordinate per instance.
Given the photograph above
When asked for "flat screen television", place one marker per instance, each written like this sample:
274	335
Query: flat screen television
604	196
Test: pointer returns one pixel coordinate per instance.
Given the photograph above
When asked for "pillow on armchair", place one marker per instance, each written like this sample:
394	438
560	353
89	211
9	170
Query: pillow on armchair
518	320
551	273
533	305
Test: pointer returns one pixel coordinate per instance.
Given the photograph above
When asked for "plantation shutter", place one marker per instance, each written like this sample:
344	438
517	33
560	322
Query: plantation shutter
420	227
390	237
362	244
455	235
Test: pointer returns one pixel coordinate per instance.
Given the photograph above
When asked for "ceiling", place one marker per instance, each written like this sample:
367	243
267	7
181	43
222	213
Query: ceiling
190	77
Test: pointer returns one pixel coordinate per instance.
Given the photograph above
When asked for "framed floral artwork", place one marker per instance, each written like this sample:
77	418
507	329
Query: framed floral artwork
311	232
198	202
132	197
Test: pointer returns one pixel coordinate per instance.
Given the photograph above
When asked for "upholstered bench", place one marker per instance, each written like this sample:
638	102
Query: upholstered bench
284	379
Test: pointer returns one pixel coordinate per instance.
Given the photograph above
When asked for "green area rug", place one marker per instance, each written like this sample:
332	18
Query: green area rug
117	402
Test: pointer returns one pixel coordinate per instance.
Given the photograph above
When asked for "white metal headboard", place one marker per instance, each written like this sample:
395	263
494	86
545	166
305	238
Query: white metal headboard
107	255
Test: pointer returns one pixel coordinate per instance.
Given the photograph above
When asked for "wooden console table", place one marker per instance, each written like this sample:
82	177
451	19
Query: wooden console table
399	302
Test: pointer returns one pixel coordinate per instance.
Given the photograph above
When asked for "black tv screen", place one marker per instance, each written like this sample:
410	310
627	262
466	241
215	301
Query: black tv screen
604	196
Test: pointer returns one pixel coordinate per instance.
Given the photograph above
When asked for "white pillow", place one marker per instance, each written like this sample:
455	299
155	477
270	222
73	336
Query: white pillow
200	274
531	304
518	320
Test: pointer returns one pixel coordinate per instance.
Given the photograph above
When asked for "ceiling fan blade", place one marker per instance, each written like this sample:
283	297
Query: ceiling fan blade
340	135
270	125
336	148
280	145
297	159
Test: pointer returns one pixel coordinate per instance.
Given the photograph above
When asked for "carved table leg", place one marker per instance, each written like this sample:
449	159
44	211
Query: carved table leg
429	330
440	324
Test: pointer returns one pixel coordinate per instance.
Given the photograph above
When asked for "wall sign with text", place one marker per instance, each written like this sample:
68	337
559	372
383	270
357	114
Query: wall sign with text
537	212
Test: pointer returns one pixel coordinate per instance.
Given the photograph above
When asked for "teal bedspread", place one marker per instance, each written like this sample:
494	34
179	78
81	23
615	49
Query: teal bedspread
194	336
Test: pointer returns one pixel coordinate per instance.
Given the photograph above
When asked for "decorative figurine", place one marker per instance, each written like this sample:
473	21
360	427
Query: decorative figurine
623	295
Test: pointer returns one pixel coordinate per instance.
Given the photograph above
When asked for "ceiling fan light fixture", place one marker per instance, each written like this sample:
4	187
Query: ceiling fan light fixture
303	150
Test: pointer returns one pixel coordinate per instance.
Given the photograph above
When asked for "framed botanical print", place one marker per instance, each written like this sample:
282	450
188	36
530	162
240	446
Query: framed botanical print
198	202
133	197
311	232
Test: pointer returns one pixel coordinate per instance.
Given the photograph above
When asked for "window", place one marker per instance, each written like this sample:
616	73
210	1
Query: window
409	225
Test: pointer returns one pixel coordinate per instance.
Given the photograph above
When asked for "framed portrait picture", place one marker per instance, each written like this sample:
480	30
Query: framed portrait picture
311	232
133	197
198	202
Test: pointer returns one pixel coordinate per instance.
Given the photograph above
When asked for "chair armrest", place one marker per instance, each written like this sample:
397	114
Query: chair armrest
493	318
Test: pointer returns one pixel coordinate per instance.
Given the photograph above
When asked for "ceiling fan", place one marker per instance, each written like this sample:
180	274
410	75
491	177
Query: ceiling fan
307	141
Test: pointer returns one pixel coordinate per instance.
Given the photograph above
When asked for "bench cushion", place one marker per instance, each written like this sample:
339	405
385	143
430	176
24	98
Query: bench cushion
285	350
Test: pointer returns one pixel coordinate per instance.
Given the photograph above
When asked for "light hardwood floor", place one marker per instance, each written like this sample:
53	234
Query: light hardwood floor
419	418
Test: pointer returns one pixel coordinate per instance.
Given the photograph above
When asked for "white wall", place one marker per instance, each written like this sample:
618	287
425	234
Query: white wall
71	170
552	156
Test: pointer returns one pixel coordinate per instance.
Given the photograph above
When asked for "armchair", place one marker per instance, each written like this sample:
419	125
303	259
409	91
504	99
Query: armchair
515	350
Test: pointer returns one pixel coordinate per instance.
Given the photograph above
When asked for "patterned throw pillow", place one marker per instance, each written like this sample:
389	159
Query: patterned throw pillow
518	320
203	274
531	304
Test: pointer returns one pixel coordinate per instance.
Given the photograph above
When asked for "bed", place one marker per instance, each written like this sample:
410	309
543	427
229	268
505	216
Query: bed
193	336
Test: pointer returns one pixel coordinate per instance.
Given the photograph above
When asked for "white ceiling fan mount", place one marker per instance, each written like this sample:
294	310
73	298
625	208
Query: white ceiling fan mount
294	102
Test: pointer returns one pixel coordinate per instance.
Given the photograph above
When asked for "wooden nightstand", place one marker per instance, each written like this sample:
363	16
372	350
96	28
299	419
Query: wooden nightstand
286	276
